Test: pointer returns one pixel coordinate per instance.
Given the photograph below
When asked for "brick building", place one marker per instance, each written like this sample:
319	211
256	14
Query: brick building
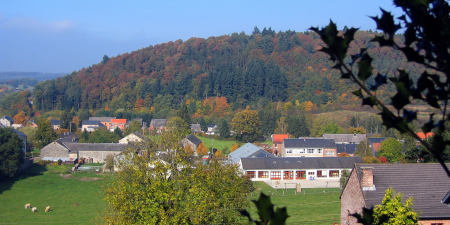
427	183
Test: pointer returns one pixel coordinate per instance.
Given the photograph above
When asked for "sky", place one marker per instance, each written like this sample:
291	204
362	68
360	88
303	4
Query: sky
66	35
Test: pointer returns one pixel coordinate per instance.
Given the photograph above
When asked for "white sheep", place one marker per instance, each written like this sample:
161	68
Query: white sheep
27	206
47	208
34	209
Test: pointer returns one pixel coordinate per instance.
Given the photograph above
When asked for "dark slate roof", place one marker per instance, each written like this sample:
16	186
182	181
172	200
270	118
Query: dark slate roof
8	118
158	122
76	147
309	143
91	123
101	119
299	163
375	140
427	183
261	154
347	148
56	122
196	127
350	138
192	138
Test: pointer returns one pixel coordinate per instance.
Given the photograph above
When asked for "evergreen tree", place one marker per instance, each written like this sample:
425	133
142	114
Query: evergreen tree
183	113
224	130
11	153
118	131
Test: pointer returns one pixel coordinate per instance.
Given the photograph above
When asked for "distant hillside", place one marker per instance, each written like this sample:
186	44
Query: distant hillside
36	75
258	69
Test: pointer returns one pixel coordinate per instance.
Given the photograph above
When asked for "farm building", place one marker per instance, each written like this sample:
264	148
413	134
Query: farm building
296	168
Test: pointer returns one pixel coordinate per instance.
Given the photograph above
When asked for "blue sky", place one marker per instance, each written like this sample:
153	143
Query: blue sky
63	36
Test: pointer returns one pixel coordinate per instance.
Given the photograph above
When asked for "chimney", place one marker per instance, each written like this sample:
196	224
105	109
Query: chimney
367	179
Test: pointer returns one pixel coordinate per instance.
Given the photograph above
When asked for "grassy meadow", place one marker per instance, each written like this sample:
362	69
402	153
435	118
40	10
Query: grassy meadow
311	206
208	142
77	198
74	198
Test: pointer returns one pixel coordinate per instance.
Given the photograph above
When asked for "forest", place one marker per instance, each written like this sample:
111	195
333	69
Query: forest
266	70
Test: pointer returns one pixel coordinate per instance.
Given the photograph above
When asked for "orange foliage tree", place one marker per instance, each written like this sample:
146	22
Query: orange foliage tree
343	154
234	147
138	104
308	105
219	154
20	118
202	150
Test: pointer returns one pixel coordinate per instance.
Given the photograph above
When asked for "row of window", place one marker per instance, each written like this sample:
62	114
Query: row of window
289	175
306	150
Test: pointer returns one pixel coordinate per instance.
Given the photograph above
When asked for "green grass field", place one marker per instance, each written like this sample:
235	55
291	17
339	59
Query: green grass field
311	206
217	143
77	198
74	199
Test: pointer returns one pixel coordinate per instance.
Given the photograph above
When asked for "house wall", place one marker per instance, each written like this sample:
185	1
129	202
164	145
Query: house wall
5	122
318	152
429	222
97	156
291	174
54	151
352	199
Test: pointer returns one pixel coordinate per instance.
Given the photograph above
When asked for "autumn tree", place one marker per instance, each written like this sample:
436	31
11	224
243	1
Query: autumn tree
363	150
218	154
343	154
11	153
103	135
234	147
139	104
282	126
331	128
202	150
135	126
66	121
44	133
20	118
391	149
246	124
356	130
179	125
166	187
76	120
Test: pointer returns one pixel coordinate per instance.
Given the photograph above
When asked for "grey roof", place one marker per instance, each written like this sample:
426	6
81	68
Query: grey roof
309	143
347	148
427	183
241	152
192	138
261	154
101	119
8	118
56	122
158	122
91	123
299	163
76	147
375	140
349	138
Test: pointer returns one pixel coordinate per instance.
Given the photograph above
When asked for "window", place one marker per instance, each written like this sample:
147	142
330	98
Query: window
311	173
301	151
300	175
321	173
310	151
319	150
334	173
251	174
329	153
289	151
288	175
275	175
263	174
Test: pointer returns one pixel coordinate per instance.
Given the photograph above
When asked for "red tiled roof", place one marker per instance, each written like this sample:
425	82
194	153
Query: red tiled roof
376	146
422	135
278	138
119	121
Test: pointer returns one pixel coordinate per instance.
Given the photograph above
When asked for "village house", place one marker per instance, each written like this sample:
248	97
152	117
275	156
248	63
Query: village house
277	143
427	183
375	144
192	141
91	125
133	137
97	152
347	148
346	138
106	121
118	123
196	128
211	129
56	124
57	150
308	148
296	168
247	150
6	121
17	126
158	124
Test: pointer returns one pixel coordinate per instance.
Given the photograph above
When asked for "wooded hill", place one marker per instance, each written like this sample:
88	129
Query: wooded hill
246	69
